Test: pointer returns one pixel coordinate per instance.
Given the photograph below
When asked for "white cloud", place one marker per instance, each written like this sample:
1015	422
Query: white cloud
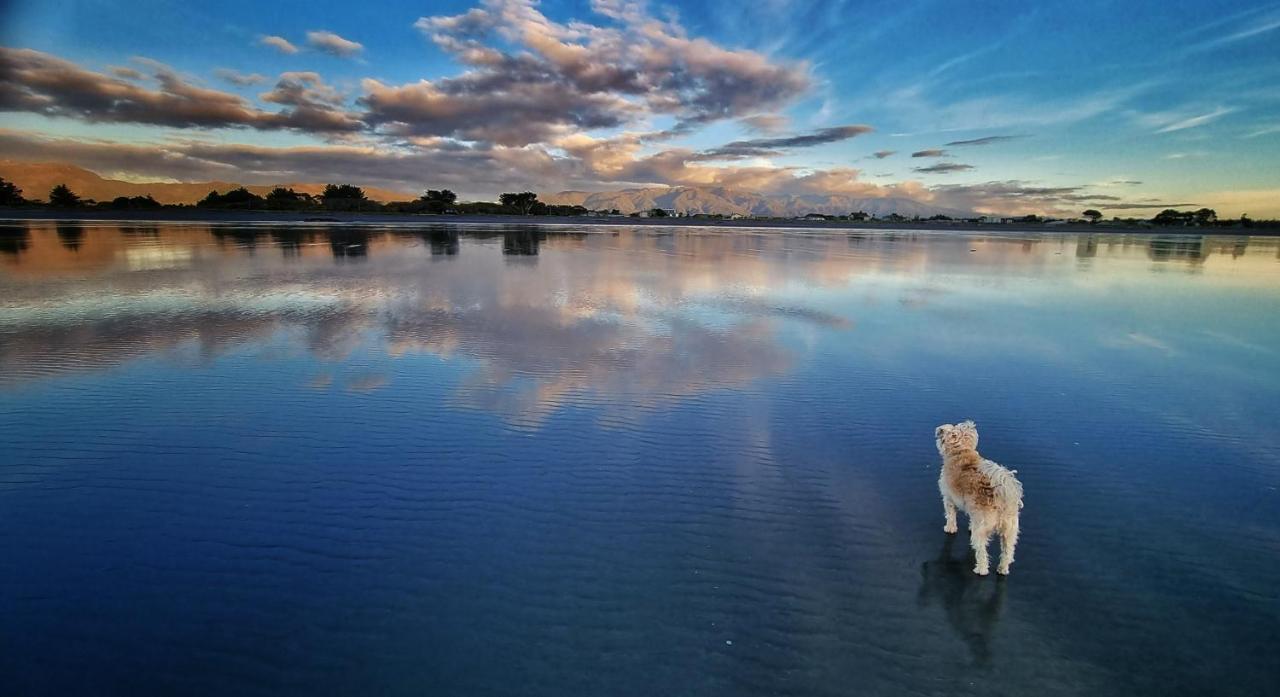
334	45
279	43
1196	121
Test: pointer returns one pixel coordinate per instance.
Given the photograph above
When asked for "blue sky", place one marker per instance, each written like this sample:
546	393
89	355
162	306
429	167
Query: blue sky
1034	107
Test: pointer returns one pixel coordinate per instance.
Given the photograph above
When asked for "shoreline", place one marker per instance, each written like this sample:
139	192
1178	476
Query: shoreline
317	218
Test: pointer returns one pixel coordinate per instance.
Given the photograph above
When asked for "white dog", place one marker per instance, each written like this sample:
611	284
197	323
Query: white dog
989	493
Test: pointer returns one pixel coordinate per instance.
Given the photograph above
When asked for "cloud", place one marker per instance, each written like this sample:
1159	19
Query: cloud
1264	131
650	63
311	104
932	152
918	109
238	78
127	73
765	124
599	162
881	154
492	108
1130	205
942	168
464	169
334	45
1019	197
484	171
1195	121
982	141
279	43
763	147
1255	26
40	83
1257	203
527	80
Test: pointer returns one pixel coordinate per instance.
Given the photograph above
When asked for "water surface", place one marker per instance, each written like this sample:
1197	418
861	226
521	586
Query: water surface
469	460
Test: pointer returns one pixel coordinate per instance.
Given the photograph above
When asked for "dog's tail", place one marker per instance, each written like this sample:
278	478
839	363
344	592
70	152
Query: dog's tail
1007	488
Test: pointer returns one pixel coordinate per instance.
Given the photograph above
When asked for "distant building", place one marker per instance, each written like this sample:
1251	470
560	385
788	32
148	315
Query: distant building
991	219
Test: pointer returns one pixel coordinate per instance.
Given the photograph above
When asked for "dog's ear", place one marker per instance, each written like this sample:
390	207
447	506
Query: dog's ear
937	432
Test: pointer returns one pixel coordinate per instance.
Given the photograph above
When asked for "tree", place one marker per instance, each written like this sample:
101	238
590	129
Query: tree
61	196
10	194
522	202
1205	216
236	198
1169	216
213	198
1093	215
438	201
343	191
126	202
282	198
344	197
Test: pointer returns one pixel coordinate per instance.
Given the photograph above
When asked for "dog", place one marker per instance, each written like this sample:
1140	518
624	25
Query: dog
987	492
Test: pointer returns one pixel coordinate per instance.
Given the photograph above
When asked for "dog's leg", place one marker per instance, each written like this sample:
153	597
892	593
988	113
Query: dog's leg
1008	541
949	510
979	535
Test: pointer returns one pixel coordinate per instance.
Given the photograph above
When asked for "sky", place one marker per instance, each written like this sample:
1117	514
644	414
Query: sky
1126	106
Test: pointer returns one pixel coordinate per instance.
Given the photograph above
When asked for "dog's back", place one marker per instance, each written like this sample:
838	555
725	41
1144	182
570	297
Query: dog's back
1005	487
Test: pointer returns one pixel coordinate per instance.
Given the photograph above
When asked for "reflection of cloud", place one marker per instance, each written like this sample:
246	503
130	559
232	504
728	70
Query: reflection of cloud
367	382
535	359
79	345
1232	340
1138	339
621	320
753	306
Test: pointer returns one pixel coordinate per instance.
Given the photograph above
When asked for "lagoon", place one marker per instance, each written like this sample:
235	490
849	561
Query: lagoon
549	460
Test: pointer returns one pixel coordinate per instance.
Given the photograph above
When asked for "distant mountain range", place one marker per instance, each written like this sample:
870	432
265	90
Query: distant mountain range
37	178
725	201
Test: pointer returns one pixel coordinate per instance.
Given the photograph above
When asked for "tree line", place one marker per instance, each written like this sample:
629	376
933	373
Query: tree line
351	198
334	197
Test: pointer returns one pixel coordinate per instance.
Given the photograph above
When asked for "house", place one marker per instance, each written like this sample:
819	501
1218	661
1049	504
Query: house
991	219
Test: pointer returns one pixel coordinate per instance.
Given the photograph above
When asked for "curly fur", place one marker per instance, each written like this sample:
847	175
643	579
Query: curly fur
990	494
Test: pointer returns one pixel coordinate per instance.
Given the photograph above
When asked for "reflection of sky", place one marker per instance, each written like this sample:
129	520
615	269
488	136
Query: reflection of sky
650	316
729	432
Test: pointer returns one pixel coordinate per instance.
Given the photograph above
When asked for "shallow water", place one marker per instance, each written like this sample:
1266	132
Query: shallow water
468	460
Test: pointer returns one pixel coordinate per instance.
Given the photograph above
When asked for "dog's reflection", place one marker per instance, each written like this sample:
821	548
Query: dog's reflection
972	603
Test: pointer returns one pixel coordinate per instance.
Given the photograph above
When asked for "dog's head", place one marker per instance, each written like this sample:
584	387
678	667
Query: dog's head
952	438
